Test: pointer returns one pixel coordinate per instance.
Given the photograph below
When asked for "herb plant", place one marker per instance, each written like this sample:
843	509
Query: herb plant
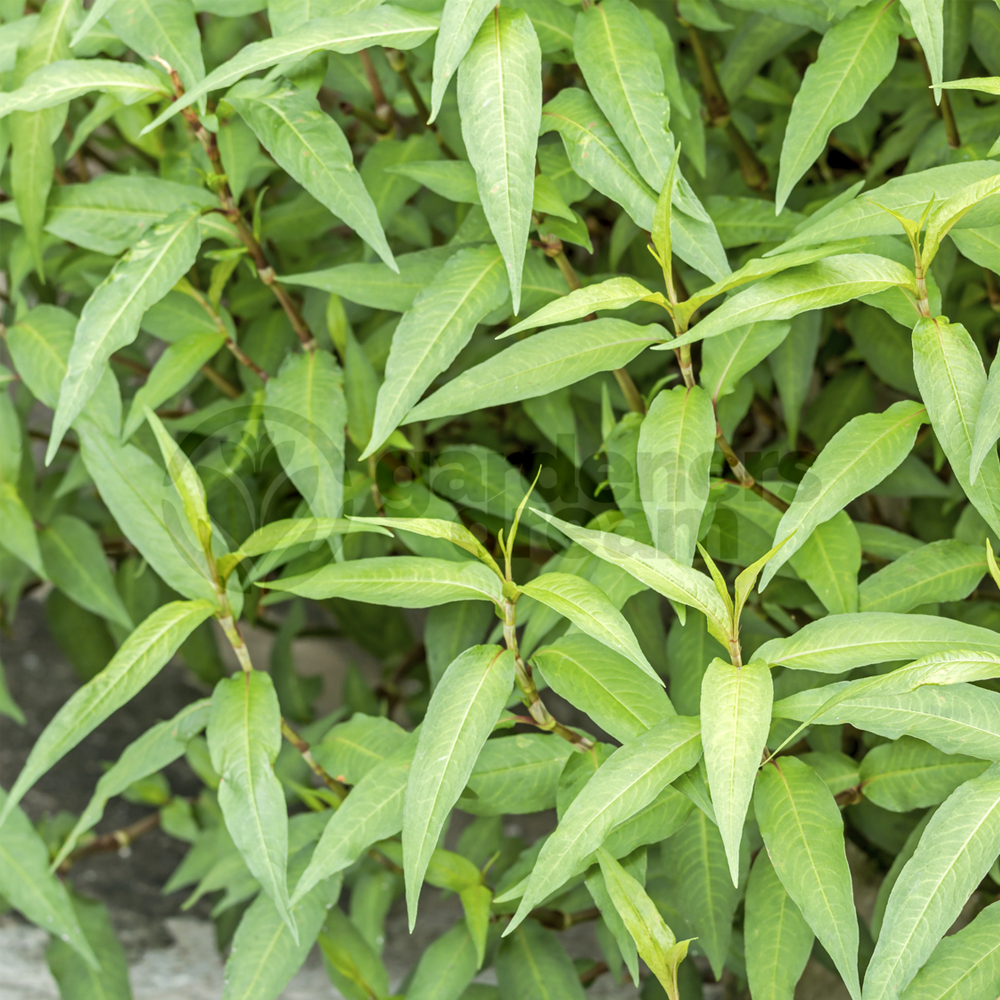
639	347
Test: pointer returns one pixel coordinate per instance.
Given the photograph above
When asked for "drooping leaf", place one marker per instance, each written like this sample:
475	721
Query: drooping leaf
76	978
676	442
956	850
854	57
801	825
460	21
500	101
136	663
588	607
533	965
310	145
628	781
858	457
605	685
447	966
778	939
431	334
111	317
987	424
463	709
385	25
539	365
949	371
29	886
735	719
244	736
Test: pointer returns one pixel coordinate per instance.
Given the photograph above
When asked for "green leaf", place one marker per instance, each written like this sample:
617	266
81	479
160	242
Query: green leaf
829	562
154	750
351	749
735	719
857	458
947	570
956	850
627	782
599	157
603	684
615	52
614	293
372	812
836	645
676	443
136	663
727	358
264	956
855	56
76	563
460	21
174	369
59	82
655	569
446	967
829	282
533	965
164	30
351	963
654	940
148	511
111	317
500	102
589	609
462	711
791	364
244	736
397	581
306	142
778	939
20	537
28	885
952	380
389	26
964	964
76	978
305	414
516	774
539	365
8	706
987	424
909	774
801	827
431	334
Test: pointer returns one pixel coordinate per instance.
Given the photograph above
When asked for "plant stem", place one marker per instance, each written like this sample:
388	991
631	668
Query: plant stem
944	109
383	109
241	356
114	841
232	632
303	748
742	475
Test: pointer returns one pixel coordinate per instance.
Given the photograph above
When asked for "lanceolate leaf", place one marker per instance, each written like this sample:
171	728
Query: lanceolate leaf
110	319
460	20
29	886
310	145
655	569
964	964
858	457
956	850
614	49
801	827
244	736
385	25
676	442
139	660
589	609
429	337
949	371
500	100
62	81
533	963
628	781
166	29
603	684
987	423
305	414
927	19
397	581
778	938
74	975
840	643
541	364
854	57
735	718
463	709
